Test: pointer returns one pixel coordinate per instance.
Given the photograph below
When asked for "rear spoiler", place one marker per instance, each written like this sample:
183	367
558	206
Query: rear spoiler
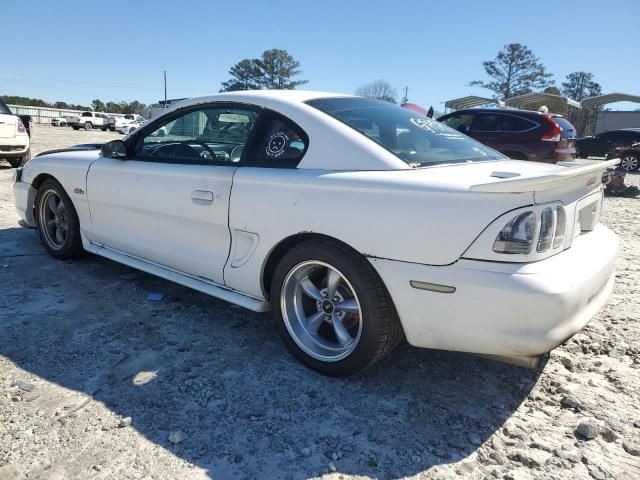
514	183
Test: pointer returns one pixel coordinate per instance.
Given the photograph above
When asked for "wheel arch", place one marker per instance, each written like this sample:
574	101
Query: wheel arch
33	191
280	250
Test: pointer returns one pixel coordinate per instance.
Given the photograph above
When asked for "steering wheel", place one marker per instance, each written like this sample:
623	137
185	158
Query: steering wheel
202	144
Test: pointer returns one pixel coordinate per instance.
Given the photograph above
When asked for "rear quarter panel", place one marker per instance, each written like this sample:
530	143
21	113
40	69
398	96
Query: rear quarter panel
388	214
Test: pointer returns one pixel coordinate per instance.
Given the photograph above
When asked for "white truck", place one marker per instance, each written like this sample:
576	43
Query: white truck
118	122
88	120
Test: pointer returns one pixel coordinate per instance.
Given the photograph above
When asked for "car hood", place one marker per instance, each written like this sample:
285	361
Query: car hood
74	148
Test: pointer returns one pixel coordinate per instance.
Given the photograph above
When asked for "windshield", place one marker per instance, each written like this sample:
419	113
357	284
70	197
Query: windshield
4	109
416	139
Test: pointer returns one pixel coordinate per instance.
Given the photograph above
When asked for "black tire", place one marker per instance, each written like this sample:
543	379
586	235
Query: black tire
630	161
14	162
71	247
63	124
88	125
76	128
381	329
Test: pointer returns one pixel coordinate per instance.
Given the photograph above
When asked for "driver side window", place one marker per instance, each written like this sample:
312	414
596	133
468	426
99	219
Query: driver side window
208	135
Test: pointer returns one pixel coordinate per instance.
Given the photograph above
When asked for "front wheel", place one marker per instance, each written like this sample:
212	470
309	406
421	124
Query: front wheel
88	126
58	224
630	161
63	124
332	310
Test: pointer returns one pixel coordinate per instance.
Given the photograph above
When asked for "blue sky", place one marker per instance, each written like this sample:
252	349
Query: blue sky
76	51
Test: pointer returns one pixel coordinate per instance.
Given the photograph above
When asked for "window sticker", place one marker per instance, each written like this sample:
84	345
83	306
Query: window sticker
436	128
277	143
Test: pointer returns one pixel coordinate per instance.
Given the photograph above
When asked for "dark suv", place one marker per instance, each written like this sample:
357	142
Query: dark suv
519	134
602	143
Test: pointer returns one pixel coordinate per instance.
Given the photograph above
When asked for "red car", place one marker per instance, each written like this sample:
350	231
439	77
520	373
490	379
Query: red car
518	134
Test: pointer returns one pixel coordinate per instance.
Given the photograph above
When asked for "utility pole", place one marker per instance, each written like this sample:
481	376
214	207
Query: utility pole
406	96
165	88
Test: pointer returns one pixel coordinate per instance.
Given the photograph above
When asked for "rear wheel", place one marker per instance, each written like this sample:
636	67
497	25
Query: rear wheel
58	224
18	162
630	161
332	310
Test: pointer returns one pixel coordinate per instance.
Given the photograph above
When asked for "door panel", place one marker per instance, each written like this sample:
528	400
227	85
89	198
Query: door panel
171	214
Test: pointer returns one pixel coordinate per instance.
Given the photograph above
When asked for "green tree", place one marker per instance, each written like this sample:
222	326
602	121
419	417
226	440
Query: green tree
278	68
275	69
514	71
378	89
98	105
112	107
552	90
580	85
245	75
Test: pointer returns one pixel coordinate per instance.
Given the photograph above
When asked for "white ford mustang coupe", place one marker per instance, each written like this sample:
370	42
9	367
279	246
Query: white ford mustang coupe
356	222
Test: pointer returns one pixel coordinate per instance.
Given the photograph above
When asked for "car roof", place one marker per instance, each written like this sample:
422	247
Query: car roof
632	130
261	97
504	110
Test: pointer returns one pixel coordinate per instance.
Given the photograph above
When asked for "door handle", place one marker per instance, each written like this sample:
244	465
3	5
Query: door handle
202	195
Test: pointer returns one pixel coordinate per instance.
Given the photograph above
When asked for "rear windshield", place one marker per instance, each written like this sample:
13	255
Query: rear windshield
4	109
564	124
418	140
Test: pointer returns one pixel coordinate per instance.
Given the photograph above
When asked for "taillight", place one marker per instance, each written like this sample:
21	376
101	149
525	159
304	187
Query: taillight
20	127
554	134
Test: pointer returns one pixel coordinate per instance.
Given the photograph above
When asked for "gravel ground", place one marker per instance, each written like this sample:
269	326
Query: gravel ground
98	382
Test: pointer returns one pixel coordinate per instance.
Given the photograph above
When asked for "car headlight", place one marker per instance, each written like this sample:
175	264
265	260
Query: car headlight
517	235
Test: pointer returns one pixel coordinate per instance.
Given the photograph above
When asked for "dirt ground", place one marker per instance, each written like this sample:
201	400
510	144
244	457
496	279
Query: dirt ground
98	382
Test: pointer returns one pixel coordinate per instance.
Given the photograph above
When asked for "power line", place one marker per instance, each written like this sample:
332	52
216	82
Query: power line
91	84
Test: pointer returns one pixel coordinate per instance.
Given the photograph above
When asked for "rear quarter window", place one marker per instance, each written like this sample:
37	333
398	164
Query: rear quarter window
511	123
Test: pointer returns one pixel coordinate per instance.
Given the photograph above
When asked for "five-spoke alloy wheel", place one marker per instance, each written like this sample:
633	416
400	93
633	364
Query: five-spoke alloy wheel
58	225
332	309
321	311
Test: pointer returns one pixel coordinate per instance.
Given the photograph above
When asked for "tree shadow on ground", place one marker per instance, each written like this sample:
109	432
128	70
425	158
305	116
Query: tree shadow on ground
223	378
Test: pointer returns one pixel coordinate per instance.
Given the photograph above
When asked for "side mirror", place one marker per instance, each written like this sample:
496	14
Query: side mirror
114	149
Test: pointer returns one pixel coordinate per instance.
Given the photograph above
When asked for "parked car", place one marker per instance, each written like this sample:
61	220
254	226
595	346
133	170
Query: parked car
58	122
629	156
601	144
120	121
130	127
518	134
88	120
355	221
14	138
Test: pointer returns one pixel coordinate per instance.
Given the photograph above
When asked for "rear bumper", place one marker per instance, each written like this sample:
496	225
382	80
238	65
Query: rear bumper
17	146
505	308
